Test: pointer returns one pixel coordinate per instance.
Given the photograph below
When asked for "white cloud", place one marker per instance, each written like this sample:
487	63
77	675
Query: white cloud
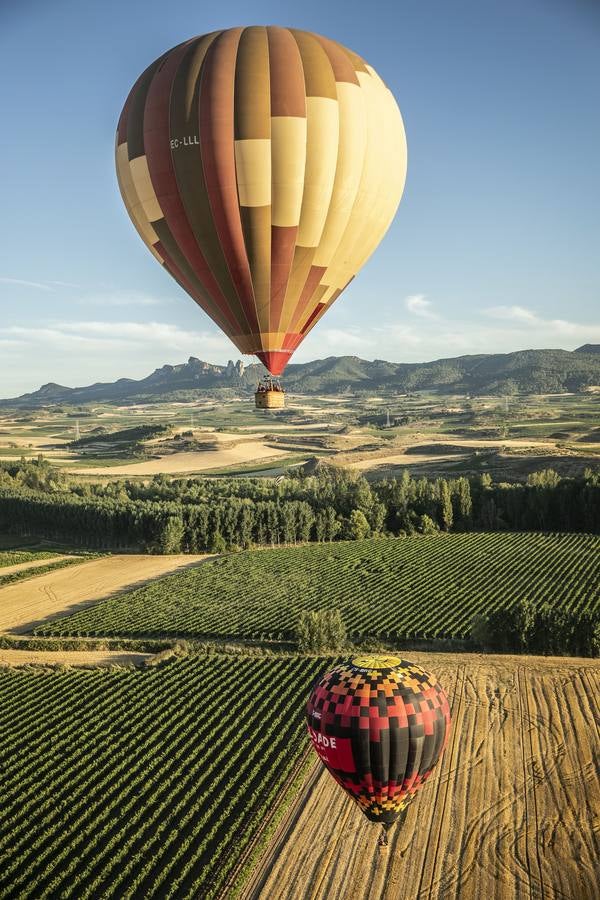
119	298
419	305
21	282
515	328
561	327
76	353
335	337
118	337
528	319
514	313
407	334
50	335
113	297
81	352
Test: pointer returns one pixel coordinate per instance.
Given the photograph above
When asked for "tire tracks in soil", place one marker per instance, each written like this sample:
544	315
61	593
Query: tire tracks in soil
509	815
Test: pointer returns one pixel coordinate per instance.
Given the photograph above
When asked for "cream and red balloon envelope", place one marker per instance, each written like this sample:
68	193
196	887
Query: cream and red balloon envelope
380	725
261	167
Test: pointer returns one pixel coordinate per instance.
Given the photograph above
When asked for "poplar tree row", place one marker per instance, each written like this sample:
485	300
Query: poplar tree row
166	515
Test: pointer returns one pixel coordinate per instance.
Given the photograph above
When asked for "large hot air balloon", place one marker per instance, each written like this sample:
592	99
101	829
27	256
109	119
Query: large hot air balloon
379	724
261	166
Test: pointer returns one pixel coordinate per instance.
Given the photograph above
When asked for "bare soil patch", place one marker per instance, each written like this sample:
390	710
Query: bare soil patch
28	603
21	438
512	812
397	459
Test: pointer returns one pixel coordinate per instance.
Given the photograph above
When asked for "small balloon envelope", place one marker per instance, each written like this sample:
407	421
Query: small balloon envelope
380	725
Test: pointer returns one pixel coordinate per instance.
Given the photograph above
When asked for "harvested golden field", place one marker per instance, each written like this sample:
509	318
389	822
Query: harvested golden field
32	564
27	603
397	459
192	461
514	811
451	449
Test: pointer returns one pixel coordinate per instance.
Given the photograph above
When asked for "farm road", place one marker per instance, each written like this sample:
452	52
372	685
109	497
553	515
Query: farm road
72	657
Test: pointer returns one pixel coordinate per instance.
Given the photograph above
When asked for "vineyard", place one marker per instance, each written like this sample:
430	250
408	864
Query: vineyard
143	783
417	587
17	557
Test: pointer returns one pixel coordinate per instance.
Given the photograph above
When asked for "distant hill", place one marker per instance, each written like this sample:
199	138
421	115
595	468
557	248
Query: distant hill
535	371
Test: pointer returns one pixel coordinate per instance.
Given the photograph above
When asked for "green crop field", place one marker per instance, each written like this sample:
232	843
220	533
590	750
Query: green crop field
143	783
417	587
15	557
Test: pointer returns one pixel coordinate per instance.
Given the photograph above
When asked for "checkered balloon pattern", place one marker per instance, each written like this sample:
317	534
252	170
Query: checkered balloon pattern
379	724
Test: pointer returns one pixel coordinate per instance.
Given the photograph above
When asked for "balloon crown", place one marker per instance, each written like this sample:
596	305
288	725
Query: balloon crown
375	661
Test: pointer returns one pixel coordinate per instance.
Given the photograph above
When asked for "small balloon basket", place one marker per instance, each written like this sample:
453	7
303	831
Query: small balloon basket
269	394
382	842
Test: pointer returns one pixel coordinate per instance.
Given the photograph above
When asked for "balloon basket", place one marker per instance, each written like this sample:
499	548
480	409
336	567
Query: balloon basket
269	395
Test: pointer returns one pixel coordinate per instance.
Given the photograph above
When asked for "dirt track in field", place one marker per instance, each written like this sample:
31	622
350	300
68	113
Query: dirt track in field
72	658
30	602
514	811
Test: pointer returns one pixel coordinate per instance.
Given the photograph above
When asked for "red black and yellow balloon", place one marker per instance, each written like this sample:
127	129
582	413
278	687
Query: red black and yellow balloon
380	725
261	166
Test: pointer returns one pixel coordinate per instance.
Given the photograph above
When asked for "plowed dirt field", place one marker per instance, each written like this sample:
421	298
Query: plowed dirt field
514	811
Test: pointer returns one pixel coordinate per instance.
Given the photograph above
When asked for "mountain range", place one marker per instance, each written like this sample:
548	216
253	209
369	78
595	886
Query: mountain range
534	371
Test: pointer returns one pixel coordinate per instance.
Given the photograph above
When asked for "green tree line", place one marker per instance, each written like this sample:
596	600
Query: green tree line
526	627
166	515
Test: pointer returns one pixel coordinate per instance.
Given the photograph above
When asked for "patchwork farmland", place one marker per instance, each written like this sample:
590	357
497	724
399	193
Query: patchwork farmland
190	775
512	812
149	783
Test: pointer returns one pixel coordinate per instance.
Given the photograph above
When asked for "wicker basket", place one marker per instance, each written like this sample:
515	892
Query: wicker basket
270	399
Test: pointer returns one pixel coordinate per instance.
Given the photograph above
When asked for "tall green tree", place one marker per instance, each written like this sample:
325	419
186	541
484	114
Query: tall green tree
446	511
357	527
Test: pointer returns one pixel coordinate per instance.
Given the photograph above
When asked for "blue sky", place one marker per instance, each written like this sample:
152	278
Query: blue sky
494	247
